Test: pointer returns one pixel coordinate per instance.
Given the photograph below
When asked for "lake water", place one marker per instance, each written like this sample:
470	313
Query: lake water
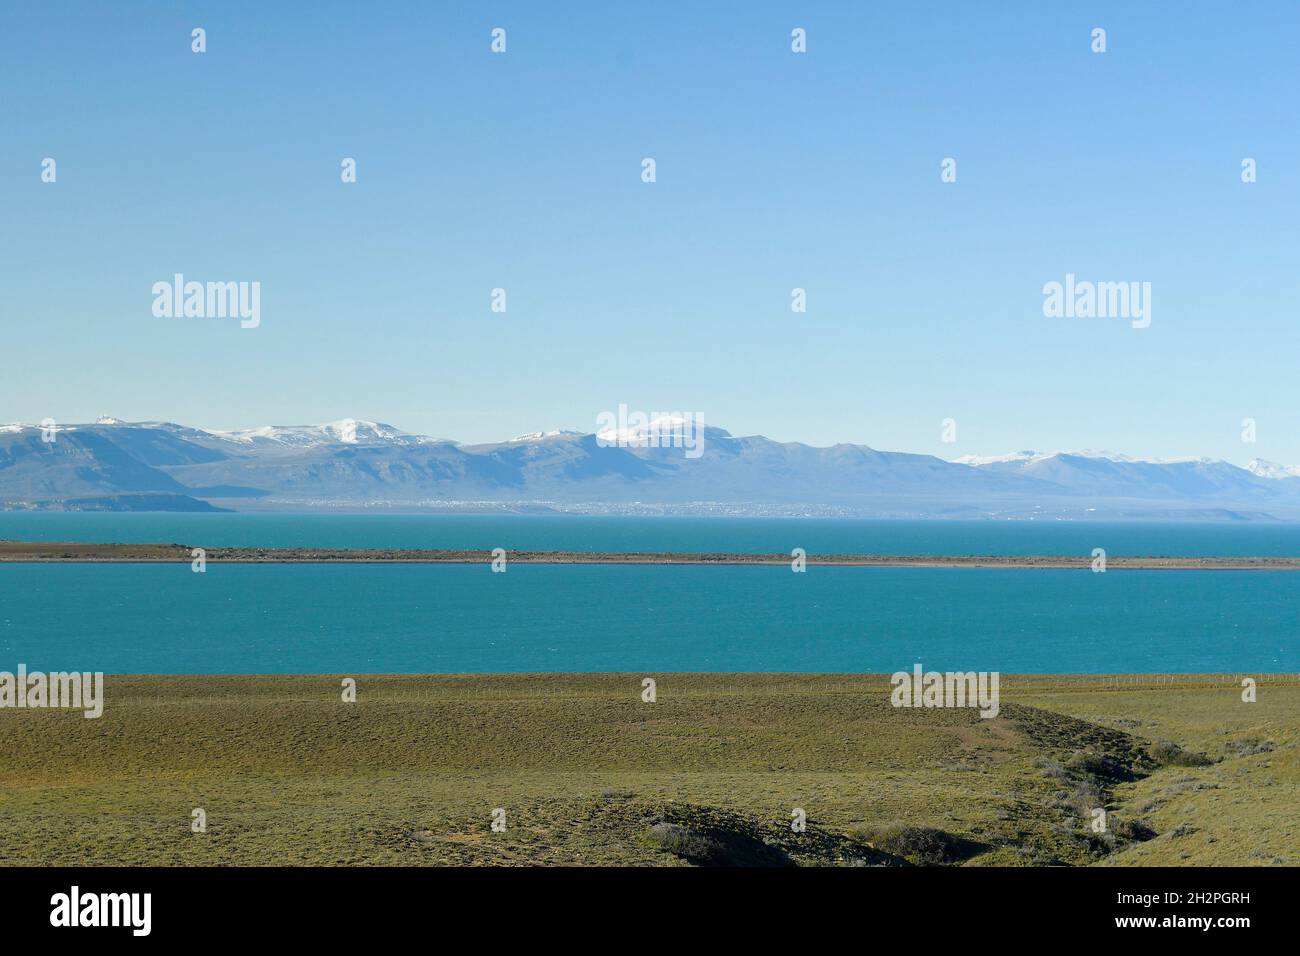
464	618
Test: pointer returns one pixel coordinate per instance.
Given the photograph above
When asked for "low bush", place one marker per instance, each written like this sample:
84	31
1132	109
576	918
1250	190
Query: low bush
684	842
1170	754
925	845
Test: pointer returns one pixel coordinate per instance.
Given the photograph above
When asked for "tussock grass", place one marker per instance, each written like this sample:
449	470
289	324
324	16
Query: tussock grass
589	774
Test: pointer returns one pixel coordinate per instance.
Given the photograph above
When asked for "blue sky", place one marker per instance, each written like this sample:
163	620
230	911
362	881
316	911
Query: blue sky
775	171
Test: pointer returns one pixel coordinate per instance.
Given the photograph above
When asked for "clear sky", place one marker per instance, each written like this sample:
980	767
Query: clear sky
775	170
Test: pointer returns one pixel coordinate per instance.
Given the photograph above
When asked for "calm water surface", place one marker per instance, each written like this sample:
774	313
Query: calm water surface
464	618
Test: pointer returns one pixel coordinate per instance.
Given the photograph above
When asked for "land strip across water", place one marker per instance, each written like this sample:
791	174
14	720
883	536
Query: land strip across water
79	552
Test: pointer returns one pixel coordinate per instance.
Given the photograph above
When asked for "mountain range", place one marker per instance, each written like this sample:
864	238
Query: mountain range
353	465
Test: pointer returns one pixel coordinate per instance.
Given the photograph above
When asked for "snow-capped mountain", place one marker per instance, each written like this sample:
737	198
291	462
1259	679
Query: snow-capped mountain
353	464
658	427
346	431
1034	456
1271	469
1120	476
542	436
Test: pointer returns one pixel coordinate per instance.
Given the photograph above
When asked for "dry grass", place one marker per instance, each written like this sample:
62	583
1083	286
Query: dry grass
410	774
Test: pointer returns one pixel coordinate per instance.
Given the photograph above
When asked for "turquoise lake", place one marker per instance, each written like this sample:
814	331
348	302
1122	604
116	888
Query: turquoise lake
580	533
464	618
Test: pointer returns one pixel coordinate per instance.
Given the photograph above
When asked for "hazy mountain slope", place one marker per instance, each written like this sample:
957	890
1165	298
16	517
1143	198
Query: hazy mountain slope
355	463
1107	477
82	462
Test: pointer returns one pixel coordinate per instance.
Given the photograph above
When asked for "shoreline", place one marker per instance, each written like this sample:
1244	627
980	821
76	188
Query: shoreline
59	552
524	683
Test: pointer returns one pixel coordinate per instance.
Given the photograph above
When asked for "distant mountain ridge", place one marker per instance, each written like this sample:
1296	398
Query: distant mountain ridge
354	464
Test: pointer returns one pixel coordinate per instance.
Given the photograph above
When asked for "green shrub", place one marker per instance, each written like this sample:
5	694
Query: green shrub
924	845
1169	753
1249	747
1136	830
686	843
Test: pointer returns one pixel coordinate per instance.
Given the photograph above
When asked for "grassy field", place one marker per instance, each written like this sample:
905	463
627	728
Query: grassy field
588	773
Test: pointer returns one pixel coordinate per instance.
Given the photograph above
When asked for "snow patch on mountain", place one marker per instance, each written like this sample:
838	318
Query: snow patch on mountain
661	426
542	436
1271	469
345	431
1033	458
